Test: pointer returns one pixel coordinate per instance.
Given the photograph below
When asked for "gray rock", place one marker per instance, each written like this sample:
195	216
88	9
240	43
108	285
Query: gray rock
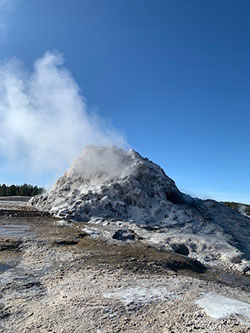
180	249
123	235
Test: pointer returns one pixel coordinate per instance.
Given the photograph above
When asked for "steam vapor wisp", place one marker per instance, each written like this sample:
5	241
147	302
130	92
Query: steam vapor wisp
44	120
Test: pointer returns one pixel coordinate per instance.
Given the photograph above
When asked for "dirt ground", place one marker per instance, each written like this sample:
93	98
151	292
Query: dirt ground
55	278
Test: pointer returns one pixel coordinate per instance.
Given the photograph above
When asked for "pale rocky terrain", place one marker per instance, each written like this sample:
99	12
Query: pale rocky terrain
120	190
55	278
17	201
114	246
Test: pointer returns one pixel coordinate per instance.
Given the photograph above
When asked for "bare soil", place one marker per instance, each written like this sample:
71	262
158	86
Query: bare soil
56	278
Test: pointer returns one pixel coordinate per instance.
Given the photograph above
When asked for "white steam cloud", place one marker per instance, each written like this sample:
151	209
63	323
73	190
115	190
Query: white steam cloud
44	121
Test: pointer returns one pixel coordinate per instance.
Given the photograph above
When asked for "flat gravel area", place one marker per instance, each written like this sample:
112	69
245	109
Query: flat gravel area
56	278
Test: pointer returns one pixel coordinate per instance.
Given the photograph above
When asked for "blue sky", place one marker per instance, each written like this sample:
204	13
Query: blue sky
173	76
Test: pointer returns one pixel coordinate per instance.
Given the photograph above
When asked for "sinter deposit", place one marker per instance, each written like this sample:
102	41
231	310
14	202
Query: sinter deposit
131	197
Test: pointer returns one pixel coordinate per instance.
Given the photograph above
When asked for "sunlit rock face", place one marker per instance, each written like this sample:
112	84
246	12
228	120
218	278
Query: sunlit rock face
112	184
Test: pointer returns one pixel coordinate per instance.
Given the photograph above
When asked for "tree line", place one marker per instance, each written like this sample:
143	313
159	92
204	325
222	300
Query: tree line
22	190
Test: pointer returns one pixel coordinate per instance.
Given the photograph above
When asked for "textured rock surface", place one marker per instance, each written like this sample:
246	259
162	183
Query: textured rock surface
95	286
112	183
111	186
55	278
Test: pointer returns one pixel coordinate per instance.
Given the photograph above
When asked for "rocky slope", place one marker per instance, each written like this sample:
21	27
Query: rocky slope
114	188
244	209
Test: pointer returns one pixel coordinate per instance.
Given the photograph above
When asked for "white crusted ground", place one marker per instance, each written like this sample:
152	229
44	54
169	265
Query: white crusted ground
219	307
115	189
54	290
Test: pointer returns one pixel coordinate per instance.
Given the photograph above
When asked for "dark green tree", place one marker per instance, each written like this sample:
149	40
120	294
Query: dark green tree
22	190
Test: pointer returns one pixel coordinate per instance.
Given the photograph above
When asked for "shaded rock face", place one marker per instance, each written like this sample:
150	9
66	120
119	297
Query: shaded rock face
112	184
180	249
123	235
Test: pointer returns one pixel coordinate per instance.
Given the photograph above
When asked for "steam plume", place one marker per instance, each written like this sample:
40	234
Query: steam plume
44	121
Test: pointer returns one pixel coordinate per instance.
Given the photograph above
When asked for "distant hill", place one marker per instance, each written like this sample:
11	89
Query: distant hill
19	190
239	207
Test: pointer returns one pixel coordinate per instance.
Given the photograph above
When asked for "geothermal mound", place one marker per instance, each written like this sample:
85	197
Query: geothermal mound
108	185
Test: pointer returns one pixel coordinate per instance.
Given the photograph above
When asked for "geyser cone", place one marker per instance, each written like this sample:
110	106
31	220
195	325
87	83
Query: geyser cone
111	184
